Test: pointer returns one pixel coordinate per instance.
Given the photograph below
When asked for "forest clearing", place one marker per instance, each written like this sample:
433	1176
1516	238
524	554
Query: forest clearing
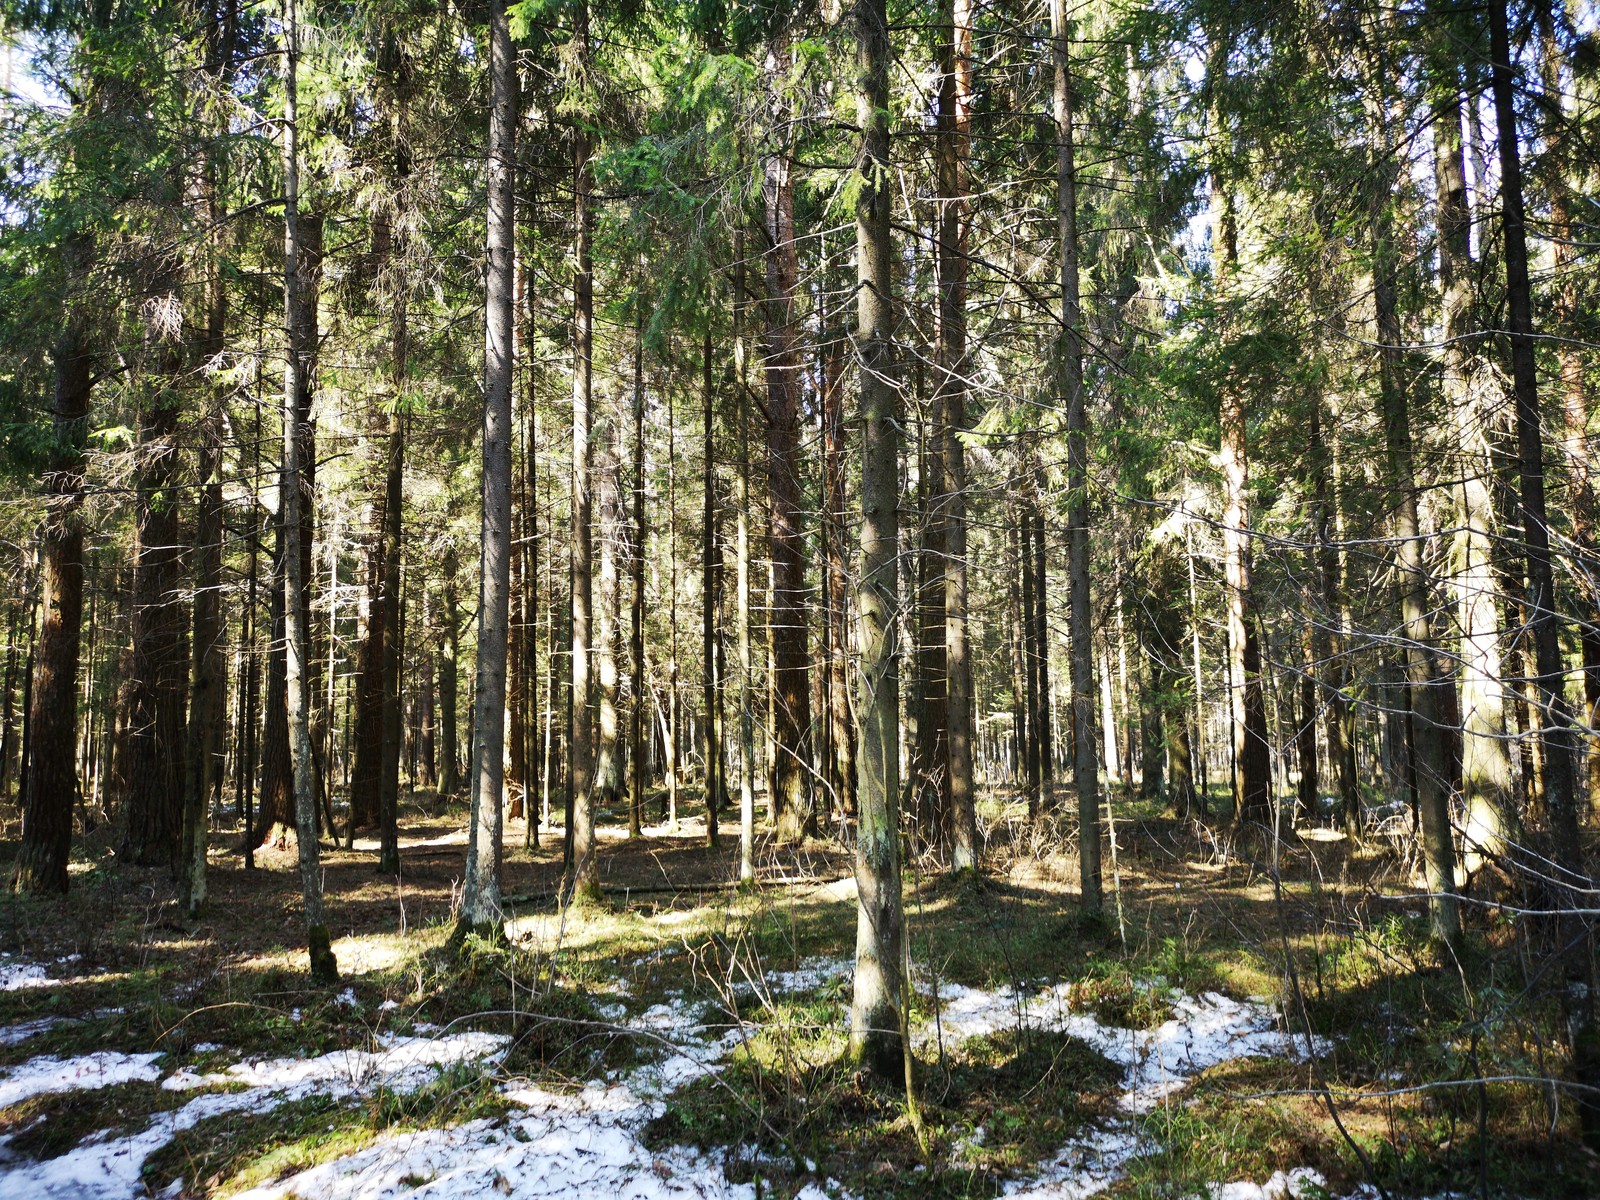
799	598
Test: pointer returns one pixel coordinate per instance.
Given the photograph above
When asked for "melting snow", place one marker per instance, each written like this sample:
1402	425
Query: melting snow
11	1035
48	1073
1204	1032
14	976
567	1146
109	1169
403	1064
563	1146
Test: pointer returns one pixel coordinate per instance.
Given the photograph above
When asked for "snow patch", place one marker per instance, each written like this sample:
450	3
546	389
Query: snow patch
104	1068
558	1146
12	1035
14	976
403	1064
110	1169
1203	1032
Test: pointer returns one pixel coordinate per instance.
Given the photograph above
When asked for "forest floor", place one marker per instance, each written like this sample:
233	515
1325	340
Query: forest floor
1229	1029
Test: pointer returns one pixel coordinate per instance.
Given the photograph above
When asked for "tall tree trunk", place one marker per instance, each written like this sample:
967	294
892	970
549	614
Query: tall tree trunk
276	797
50	778
480	898
1566	233
152	806
393	498
1428	750
1491	817
955	124
366	782
1070	395
791	717
639	725
710	554
1329	635
580	772
876	1007
1573	883
930	752
207	681
747	736
1044	730
842	728
608	496
297	364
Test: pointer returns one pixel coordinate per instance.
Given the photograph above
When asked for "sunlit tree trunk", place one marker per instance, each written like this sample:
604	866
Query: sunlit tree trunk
480	893
1491	816
580	772
875	1011
297	361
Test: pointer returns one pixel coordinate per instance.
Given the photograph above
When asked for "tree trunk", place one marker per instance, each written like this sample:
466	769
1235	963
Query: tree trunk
950	415
449	655
1573	884
1032	766
747	736
842	728
580	772
50	778
1070	395
1491	816
791	717
480	893
296	387
639	725
1566	234
152	805
875	1011
710	557
389	762
1428	751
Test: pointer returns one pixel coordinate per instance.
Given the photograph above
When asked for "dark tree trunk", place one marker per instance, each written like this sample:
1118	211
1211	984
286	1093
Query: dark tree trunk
950	413
791	717
1573	884
585	870
710	571
50	786
152	807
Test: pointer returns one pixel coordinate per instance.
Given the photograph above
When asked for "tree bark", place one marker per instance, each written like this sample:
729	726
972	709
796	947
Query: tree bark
50	777
875	1011
480	897
710	563
297	362
1573	883
639	725
1491	816
955	125
152	804
1070	395
580	772
791	717
1428	750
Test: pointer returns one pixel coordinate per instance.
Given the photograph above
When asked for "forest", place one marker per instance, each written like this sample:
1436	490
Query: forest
829	599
